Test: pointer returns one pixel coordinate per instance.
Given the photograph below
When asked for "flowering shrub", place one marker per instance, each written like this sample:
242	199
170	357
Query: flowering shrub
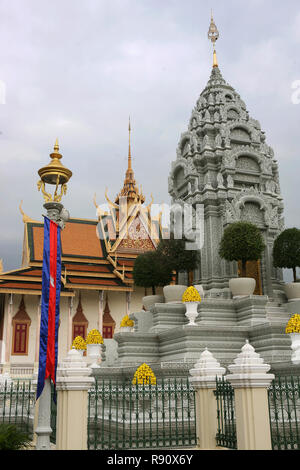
144	375
126	322
191	295
79	343
94	337
293	325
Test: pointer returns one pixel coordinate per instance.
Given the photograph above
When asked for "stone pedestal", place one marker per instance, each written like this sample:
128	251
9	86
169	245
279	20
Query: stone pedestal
203	379
250	380
73	383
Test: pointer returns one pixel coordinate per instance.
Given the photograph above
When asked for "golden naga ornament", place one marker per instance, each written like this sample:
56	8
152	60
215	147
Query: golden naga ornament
56	174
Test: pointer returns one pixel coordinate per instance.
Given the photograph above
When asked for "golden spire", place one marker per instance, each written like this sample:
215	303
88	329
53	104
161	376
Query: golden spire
130	189
56	147
213	35
129	147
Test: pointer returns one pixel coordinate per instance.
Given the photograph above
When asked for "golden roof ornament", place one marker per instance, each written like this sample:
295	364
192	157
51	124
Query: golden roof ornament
56	174
213	36
130	189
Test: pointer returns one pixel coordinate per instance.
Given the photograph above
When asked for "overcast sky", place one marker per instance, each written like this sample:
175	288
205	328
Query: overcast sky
76	69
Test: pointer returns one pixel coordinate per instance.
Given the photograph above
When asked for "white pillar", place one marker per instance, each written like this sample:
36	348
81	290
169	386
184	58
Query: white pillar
128	301
73	383
203	379
43	413
101	310
70	314
8	334
37	335
250	380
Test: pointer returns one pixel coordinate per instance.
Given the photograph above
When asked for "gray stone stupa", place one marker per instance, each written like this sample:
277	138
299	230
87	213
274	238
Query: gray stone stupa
224	163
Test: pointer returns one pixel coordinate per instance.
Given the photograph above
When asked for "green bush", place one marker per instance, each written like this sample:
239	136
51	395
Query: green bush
11	438
242	241
150	270
176	256
286	250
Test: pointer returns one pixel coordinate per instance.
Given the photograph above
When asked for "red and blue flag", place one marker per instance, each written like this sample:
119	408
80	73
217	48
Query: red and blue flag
51	286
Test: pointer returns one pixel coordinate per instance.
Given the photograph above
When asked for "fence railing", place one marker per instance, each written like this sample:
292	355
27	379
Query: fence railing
17	400
122	416
284	410
226	433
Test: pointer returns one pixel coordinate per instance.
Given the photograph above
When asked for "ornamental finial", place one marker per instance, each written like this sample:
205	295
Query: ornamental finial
213	36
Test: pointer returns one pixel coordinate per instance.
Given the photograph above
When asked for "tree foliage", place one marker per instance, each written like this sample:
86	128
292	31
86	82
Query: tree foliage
177	256
242	241
12	438
286	250
150	270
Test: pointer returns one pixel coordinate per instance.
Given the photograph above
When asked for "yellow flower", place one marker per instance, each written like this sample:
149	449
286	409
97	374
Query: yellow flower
293	325
94	337
144	376
191	295
79	343
126	322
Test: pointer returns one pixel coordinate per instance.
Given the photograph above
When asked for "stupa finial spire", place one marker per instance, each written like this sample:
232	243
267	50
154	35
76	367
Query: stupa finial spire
213	36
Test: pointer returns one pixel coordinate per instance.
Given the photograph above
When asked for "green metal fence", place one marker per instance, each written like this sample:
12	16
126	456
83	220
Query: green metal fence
122	416
284	410
17	400
17	406
226	433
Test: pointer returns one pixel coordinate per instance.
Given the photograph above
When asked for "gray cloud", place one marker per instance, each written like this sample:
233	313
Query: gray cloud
76	70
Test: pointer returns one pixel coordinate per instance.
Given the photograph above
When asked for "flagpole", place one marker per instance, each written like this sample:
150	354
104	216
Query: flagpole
54	174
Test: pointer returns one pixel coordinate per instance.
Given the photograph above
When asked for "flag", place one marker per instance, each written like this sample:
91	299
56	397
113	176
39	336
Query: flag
51	285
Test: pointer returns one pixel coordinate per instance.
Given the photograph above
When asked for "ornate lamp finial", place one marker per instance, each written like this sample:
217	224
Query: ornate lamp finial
213	36
55	173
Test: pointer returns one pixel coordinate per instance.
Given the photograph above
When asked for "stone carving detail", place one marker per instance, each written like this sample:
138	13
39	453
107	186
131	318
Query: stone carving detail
247	163
207	116
206	143
241	134
194	141
190	165
229	160
251	212
267	166
220	181
207	181
230	182
231	213
218	141
271	186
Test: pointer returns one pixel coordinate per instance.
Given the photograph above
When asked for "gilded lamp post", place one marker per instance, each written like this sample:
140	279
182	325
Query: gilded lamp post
56	175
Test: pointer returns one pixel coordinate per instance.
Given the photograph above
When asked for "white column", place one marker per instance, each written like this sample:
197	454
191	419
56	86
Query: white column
250	380
37	335
73	384
101	310
203	379
8	334
43	417
128	300
70	315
